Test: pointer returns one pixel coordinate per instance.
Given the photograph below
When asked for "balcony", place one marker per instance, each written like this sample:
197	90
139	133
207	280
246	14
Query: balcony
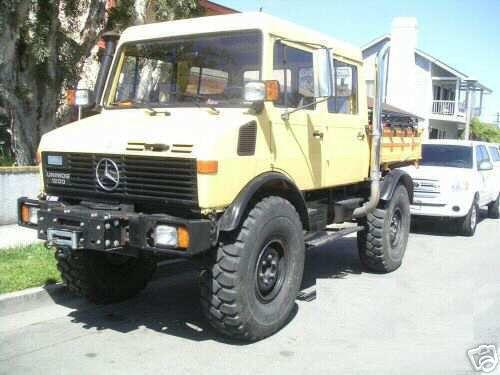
449	110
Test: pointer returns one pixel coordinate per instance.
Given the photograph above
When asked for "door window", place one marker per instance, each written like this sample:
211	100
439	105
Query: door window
482	155
495	154
346	89
293	69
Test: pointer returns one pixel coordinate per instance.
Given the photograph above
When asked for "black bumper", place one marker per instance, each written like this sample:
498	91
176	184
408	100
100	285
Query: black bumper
80	227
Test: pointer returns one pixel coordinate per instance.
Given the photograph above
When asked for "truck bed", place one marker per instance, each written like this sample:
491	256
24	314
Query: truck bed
401	142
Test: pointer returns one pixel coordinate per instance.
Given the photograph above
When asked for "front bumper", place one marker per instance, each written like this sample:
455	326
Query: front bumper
453	205
112	228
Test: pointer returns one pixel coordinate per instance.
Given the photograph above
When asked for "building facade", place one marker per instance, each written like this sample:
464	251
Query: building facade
445	98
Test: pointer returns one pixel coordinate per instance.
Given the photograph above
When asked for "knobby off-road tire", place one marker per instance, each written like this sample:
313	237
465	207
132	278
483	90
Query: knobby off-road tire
249	290
494	209
468	223
383	242
104	278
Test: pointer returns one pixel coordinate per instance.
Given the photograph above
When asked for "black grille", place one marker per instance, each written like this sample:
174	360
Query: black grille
142	178
247	138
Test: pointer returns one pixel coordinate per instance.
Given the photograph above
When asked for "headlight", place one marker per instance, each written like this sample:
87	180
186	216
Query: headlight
165	235
170	236
460	185
29	214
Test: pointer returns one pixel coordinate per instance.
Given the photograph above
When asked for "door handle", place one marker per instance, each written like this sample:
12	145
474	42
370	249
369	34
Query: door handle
318	134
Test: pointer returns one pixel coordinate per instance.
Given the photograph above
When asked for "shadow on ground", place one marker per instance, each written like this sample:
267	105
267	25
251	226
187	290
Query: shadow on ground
170	303
440	227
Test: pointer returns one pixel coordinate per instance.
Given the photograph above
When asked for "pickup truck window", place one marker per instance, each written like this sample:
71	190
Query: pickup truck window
447	156
297	84
495	153
482	155
195	71
346	89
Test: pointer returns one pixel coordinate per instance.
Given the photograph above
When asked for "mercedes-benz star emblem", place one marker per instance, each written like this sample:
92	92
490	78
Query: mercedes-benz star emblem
107	174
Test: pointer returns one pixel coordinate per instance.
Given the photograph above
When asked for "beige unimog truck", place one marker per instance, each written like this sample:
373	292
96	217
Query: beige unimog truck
233	141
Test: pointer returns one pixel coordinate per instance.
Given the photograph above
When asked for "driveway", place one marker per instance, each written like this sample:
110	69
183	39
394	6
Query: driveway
444	300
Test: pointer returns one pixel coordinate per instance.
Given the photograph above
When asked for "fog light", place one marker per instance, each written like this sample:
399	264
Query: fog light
165	235
29	214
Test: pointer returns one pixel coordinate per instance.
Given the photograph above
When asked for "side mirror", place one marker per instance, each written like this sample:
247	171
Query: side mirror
485	166
323	73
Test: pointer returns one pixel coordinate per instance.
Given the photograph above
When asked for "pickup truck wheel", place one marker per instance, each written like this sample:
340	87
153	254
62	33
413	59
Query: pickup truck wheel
468	223
494	209
249	289
383	242
104	278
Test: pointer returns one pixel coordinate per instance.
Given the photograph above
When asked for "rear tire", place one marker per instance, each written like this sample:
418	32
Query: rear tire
468	223
494	209
383	242
248	291
104	278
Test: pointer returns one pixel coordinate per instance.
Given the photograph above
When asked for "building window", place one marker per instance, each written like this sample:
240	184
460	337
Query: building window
293	69
346	89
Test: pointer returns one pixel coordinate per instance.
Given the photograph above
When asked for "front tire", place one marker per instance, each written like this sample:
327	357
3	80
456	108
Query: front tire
383	242
494	209
468	223
104	278
248	292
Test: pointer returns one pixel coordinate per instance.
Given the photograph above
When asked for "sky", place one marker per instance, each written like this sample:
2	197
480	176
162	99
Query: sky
464	34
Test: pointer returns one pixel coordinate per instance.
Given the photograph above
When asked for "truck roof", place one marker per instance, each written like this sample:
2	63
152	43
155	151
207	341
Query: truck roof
454	142
240	21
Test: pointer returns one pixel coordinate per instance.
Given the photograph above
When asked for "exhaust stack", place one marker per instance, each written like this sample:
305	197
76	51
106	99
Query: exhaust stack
111	39
375	175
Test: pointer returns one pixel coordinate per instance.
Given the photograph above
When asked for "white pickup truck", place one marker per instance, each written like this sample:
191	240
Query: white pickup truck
454	179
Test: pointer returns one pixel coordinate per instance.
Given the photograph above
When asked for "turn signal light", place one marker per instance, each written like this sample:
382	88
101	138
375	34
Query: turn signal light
272	91
182	237
207	166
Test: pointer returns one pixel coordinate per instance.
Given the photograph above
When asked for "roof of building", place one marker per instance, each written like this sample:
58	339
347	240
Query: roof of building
215	8
434	60
239	21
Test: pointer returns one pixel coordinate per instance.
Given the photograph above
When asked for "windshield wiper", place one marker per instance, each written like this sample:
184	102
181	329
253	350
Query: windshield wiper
153	112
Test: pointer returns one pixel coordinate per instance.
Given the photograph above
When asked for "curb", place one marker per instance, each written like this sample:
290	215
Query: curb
33	298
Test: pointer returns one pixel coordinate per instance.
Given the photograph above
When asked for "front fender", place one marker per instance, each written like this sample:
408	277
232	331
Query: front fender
391	181
269	183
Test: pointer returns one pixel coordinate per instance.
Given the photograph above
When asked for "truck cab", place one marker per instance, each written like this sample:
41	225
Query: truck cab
233	141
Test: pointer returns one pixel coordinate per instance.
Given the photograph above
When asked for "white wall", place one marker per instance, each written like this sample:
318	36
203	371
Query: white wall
15	183
451	128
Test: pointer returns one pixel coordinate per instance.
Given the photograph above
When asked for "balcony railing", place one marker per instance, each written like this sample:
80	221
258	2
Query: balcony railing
443	107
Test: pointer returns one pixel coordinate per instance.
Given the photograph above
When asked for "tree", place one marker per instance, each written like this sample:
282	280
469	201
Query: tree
484	132
45	44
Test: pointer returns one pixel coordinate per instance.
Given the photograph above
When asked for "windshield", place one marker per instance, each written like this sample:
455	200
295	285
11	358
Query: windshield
447	156
206	70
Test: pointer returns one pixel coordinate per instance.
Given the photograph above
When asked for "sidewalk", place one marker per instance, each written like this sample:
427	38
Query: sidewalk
13	235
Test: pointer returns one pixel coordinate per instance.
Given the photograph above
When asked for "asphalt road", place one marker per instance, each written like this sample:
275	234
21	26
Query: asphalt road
421	319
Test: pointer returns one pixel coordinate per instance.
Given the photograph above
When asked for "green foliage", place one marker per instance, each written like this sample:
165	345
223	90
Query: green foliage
26	267
481	131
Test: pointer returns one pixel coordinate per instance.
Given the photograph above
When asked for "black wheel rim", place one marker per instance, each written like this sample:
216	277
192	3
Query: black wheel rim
270	270
395	226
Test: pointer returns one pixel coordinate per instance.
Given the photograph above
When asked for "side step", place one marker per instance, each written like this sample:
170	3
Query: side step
322	237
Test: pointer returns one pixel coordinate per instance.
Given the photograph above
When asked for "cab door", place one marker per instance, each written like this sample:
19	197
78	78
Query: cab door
298	142
348	153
